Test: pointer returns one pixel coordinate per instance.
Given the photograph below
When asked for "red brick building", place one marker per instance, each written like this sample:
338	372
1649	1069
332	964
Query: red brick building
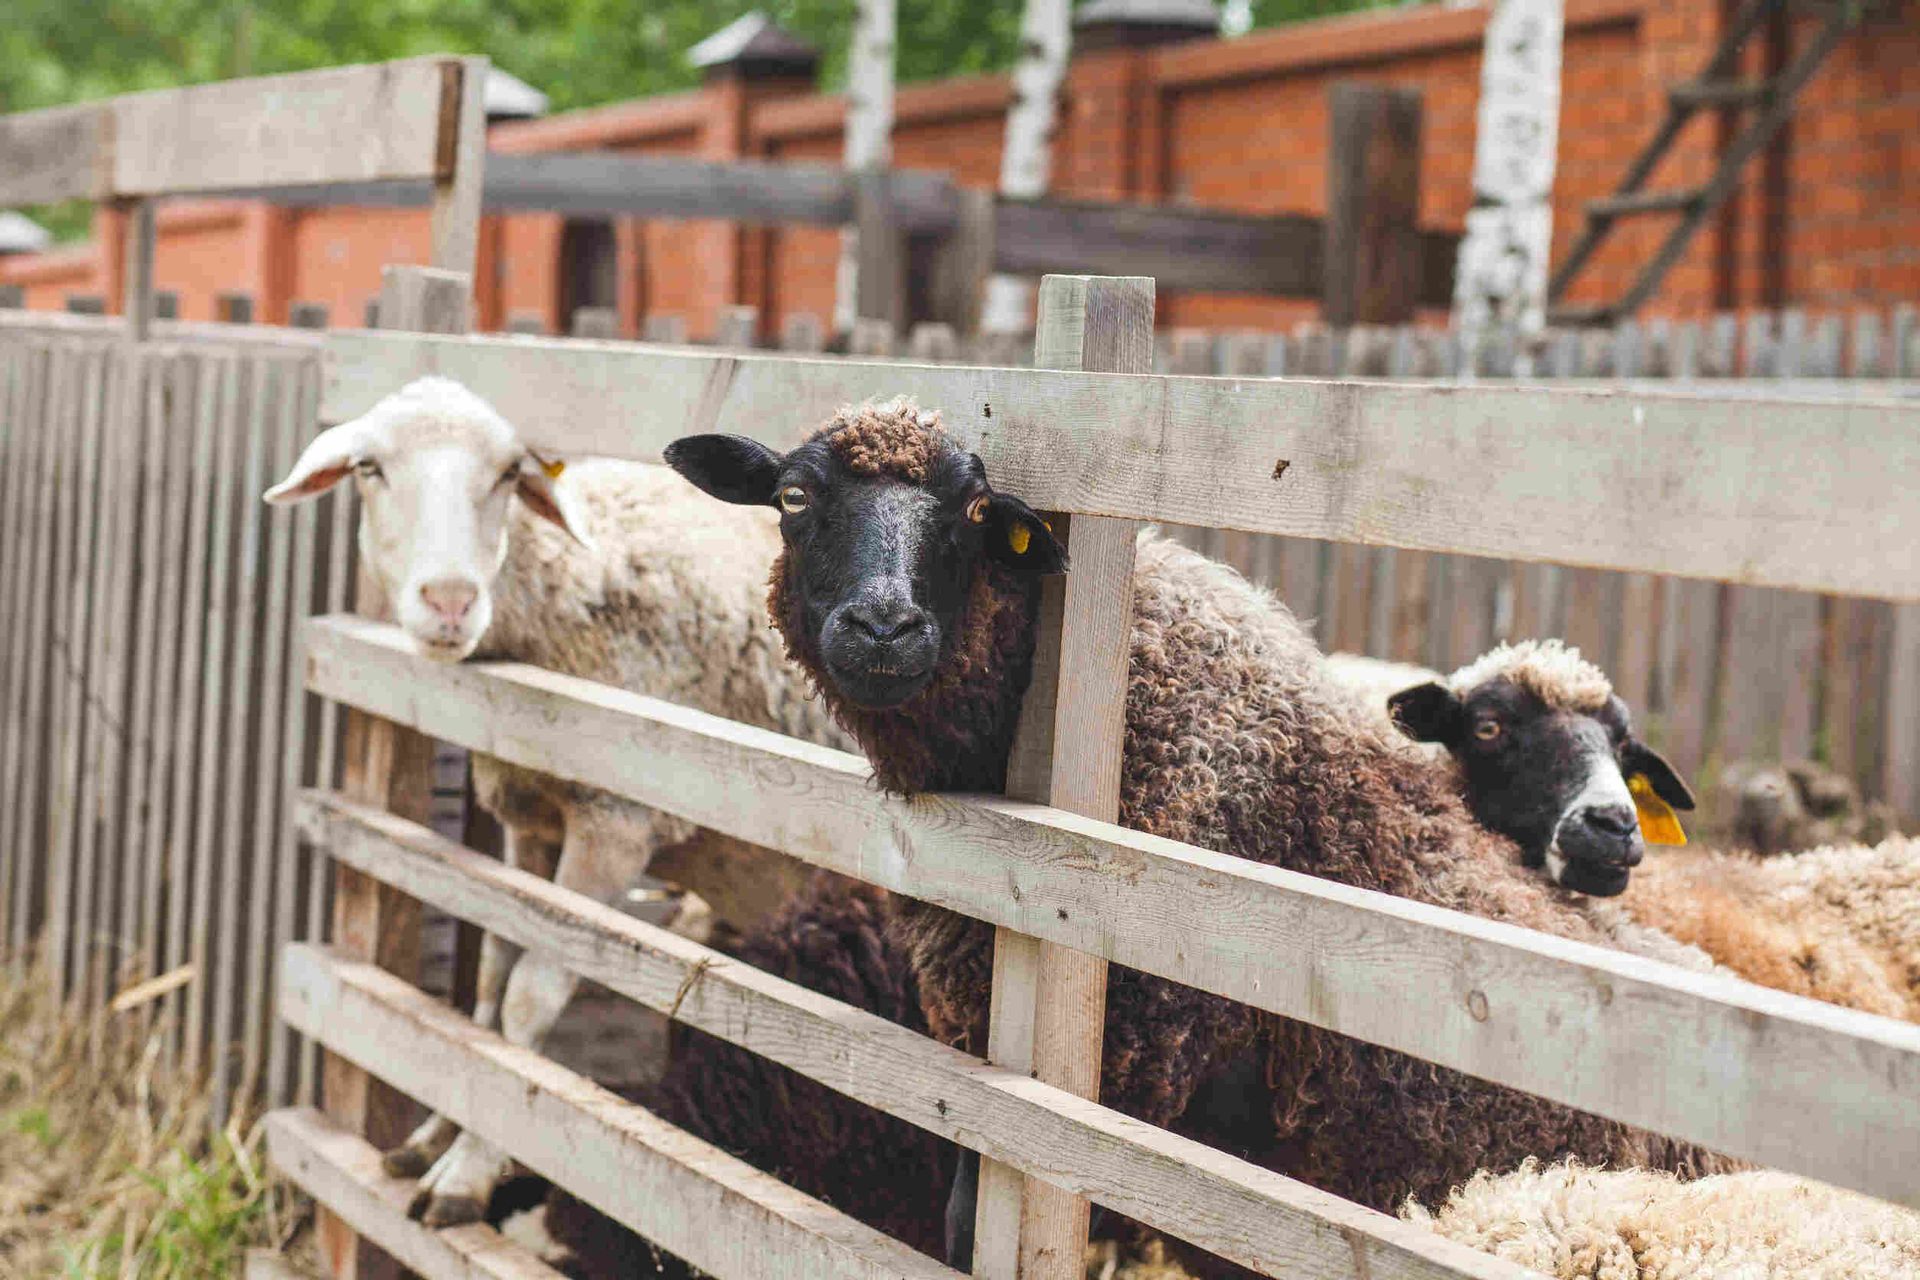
1828	218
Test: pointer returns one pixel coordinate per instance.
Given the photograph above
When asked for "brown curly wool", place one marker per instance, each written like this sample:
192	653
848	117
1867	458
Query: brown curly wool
892	1175
896	438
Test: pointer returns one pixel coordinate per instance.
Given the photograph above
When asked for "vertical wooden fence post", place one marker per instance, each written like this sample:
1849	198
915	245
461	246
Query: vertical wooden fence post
1372	273
1049	1002
386	765
392	768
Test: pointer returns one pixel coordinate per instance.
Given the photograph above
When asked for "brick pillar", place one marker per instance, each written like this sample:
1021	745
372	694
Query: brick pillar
266	258
1110	145
745	64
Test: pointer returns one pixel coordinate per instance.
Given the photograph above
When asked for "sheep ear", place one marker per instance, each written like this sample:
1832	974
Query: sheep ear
326	462
731	468
538	487
1017	537
1639	758
1427	713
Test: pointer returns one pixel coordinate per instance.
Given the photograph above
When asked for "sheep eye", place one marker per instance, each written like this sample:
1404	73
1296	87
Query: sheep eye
793	500
977	509
511	474
368	469
1487	730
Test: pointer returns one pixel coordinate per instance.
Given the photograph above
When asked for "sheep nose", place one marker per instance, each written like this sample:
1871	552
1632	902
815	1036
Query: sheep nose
887	621
451	598
1615	826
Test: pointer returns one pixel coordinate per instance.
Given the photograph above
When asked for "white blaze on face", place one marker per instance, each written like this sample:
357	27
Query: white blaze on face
435	522
1605	788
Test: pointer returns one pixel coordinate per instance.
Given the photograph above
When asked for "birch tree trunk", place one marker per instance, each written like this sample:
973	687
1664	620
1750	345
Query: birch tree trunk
1500	287
869	134
1026	161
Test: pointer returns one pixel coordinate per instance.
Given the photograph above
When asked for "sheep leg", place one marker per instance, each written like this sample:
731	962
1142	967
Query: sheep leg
426	1144
600	856
962	1203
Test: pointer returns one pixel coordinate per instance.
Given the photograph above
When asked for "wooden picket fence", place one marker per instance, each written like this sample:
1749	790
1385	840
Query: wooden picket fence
171	736
1772	1078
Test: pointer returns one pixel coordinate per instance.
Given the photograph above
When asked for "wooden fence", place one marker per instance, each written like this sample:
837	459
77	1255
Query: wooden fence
151	739
1769	1077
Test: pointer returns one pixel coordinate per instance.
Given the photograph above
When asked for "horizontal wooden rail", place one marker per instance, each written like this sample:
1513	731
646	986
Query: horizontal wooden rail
264	132
1773	1078
339	1170
1192	1191
689	1197
1802	494
609	184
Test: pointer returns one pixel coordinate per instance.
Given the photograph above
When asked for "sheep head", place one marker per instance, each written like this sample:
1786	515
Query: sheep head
886	523
437	469
1549	759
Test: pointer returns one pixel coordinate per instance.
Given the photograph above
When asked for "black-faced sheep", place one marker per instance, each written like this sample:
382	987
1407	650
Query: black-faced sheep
613	571
1537	740
907	589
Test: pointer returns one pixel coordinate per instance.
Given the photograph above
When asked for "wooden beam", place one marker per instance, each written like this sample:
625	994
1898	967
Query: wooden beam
1480	470
1173	1184
690	1198
881	269
280	130
1049	1001
1773	1078
460	168
390	766
1373	264
1179	248
339	1170
65	153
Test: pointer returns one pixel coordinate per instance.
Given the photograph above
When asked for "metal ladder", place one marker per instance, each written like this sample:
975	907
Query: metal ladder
1770	101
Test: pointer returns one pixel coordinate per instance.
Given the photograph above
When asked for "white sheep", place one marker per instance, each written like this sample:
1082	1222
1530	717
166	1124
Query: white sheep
1578	1223
614	571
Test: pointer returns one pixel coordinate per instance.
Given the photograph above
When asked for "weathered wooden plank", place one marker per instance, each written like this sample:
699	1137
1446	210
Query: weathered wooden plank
1179	248
20	385
281	130
32	629
1058	995
338	1169
218	699
1372	271
1459	468
70	882
461	160
65	153
282	737
388	765
239	785
690	1198
1200	1194
1783	1081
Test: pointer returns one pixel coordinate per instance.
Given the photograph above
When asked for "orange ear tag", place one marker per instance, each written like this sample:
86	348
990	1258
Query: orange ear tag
552	470
1658	822
1019	537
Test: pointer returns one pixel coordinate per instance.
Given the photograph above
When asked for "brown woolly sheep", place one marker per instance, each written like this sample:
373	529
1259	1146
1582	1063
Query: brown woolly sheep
907	589
1533	732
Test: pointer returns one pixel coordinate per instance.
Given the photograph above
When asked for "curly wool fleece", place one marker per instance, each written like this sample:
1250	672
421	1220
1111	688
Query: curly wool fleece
1577	1223
1236	742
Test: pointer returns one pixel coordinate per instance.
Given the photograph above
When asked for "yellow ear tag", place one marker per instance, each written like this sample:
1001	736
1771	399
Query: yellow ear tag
553	469
1658	822
1019	537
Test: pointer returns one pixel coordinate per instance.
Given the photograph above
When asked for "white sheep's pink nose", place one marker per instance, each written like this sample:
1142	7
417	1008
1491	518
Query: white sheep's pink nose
450	598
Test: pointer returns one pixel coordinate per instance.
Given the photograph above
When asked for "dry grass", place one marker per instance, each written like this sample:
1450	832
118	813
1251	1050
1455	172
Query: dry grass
107	1168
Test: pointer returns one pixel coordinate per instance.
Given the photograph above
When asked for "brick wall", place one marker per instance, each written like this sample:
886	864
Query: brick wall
1830	219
